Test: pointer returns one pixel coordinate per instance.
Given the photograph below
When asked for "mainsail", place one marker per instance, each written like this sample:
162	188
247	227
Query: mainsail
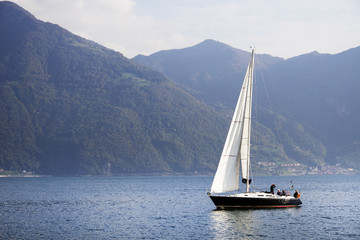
236	150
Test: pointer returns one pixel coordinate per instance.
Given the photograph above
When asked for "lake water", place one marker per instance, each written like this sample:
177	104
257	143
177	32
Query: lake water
171	207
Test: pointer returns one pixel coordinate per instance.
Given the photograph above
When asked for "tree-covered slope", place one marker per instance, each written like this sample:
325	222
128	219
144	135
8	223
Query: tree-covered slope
313	97
71	106
321	91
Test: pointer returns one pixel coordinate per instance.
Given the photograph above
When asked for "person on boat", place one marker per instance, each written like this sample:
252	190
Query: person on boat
296	194
272	187
283	193
279	192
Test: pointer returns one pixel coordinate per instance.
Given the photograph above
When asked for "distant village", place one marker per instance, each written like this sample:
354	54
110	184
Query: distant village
299	169
23	173
288	169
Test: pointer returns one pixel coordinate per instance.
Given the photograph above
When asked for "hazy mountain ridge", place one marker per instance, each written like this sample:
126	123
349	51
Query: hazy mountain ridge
201	69
321	92
316	95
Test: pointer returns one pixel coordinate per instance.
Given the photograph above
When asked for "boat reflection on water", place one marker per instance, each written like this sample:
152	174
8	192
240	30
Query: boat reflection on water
254	223
234	224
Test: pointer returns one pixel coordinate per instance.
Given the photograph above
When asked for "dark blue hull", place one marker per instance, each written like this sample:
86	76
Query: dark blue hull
233	202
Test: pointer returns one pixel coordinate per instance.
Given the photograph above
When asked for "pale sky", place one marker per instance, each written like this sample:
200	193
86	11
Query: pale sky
283	28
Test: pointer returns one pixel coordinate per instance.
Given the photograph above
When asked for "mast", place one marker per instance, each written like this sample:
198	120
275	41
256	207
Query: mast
247	122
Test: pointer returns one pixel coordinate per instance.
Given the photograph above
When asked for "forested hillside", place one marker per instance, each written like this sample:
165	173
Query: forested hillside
321	91
313	97
71	106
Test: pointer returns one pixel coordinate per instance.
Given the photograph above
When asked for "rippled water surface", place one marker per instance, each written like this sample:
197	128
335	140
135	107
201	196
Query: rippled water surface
171	208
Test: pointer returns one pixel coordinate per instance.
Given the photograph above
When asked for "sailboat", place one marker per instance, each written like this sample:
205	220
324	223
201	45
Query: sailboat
236	152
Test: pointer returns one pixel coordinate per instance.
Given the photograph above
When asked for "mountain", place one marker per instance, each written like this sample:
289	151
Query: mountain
321	92
206	69
71	106
313	96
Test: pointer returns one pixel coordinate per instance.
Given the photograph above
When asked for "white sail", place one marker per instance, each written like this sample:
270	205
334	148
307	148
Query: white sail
237	144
